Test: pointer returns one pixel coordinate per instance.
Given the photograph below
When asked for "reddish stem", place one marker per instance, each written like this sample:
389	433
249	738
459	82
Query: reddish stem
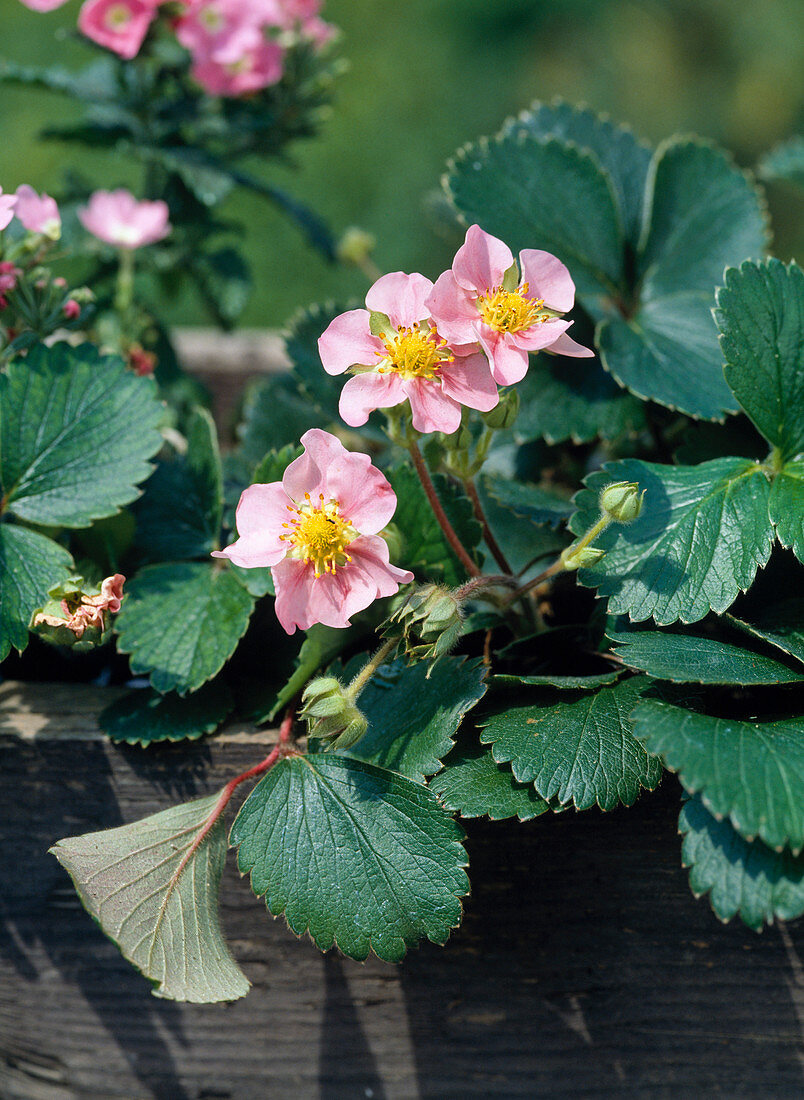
438	511
488	537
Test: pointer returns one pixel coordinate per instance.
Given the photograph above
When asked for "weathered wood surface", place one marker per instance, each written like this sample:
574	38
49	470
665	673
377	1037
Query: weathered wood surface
583	968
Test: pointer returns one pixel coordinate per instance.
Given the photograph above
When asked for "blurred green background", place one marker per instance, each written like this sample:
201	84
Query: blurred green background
426	76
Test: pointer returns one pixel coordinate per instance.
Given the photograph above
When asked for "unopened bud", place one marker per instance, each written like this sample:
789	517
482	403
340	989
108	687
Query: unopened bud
331	713
504	414
355	246
432	622
622	501
581	559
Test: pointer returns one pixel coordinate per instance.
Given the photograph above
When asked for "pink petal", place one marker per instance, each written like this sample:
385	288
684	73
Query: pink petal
306	474
364	495
401	297
481	261
509	364
347	341
366	392
548	278
538	336
260	514
469	381
293	582
370	556
433	410
565	345
254	551
453	310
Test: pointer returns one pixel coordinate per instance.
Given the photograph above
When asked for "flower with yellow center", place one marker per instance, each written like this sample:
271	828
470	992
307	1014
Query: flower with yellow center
415	352
511	310
319	535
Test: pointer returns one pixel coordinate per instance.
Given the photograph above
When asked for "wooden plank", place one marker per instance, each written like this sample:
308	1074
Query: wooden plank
583	968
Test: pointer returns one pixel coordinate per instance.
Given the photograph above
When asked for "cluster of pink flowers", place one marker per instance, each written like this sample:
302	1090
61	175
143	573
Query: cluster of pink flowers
444	345
440	346
237	46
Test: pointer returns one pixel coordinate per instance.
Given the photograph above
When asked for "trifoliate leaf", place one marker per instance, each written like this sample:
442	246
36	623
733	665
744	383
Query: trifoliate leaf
301	344
703	214
741	876
473	784
179	515
529	501
30	564
414	717
752	772
786	506
543	193
760	312
781	624
578	401
181	622
425	549
356	855
619	153
784	162
702	534
689	659
143	717
153	888
76	431
578	750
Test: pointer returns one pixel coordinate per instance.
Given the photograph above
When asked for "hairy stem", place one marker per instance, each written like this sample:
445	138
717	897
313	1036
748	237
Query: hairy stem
556	567
369	668
491	542
438	510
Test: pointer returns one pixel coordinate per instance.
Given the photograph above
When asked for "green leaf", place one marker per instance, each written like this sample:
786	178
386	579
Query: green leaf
781	624
578	402
529	501
703	215
274	415
30	564
560	683
357	856
786	506
580	750
181	622
199	172
272	466
702	534
321	645
784	162
760	312
425	549
542	193
752	772
225	282
143	717
688	659
76	430
414	717
301	344
179	515
740	876
617	150
95	82
153	889
526	543
473	784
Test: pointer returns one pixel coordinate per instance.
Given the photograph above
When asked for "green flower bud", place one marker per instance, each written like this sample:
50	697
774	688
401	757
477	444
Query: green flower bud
432	622
330	712
583	558
622	501
505	413
355	246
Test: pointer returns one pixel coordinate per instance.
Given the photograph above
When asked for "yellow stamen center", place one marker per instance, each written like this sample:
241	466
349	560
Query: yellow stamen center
414	353
117	17
319	534
511	310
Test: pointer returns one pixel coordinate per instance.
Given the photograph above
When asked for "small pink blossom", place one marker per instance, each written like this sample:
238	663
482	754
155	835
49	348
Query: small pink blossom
254	67
38	213
119	25
484	299
117	218
71	310
410	361
318	530
7	204
8	276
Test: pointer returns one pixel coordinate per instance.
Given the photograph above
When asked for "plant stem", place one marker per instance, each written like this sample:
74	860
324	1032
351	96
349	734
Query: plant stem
438	511
125	282
502	580
369	668
491	542
556	567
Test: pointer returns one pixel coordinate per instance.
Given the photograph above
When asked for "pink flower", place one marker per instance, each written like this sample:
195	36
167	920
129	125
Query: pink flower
253	68
8	276
318	530
71	309
43	5
119	25
410	361
7	204
484	299
38	213
117	218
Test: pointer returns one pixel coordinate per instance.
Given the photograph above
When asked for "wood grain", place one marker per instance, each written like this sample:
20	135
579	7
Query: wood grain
584	967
